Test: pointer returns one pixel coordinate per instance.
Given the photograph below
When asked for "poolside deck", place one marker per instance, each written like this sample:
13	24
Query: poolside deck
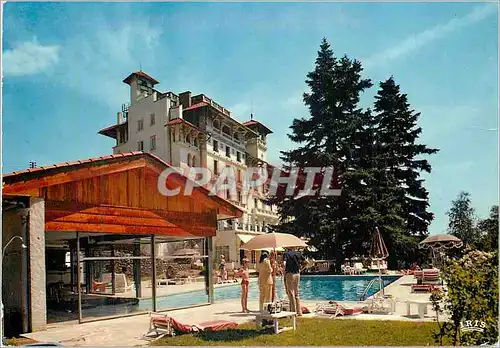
129	331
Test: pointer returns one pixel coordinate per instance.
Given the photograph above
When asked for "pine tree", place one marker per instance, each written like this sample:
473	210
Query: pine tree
400	156
335	136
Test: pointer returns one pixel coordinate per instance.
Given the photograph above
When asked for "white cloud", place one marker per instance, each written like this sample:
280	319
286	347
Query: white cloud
426	37
96	61
29	58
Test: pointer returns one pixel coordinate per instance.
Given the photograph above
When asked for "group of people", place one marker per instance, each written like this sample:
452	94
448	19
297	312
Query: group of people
268	268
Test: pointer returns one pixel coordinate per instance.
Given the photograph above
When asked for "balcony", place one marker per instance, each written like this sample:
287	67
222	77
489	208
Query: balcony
204	98
243	227
267	212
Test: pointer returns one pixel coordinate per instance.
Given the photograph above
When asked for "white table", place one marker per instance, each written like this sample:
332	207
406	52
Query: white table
422	307
275	318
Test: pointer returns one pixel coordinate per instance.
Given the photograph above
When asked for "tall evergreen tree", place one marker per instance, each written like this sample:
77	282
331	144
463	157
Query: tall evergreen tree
400	156
335	136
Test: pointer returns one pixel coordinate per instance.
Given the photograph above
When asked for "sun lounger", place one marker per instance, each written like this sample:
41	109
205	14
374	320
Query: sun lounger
163	325
424	287
430	276
358	266
334	309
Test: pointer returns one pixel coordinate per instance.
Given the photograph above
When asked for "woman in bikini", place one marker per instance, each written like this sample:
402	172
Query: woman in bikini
244	273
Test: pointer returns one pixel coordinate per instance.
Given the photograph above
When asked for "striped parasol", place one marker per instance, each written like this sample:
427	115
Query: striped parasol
378	253
378	250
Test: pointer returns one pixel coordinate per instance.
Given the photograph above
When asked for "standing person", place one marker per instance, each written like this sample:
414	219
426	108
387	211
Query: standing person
223	269
244	273
274	265
265	279
293	260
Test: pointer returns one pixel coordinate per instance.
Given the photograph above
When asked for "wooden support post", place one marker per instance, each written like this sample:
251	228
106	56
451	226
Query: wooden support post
137	270
113	271
153	260
210	270
79	278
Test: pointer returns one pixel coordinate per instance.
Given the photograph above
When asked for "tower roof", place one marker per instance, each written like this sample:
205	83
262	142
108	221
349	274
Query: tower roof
142	75
258	126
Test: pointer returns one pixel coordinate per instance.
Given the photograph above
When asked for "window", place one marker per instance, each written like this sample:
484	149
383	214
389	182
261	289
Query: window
173	136
195	142
152	143
253	257
152	119
236	137
238	156
226	130
193	161
216	146
140	125
255	203
239	175
216	124
189	160
239	196
188	139
228	194
122	136
216	167
140	146
228	151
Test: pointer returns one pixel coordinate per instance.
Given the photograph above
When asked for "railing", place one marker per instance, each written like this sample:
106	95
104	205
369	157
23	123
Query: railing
243	227
264	211
365	292
216	106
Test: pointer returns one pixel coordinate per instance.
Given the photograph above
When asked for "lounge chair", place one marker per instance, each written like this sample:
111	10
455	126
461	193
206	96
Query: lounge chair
334	309
430	276
379	304
163	325
424	287
358	266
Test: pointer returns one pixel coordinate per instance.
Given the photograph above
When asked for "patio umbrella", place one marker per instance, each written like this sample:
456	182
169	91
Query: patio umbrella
274	241
378	252
441	241
438	243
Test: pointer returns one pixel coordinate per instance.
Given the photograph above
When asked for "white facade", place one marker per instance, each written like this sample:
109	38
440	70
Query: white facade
197	132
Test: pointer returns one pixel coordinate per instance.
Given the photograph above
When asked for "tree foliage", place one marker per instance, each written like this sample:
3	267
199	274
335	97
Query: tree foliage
471	299
462	220
377	160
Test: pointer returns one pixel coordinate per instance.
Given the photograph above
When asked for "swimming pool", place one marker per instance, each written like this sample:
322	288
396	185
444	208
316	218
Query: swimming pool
320	288
316	288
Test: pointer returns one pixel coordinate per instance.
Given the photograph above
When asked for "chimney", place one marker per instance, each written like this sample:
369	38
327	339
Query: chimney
185	99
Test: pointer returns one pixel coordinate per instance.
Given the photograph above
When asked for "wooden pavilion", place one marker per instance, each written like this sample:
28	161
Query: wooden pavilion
102	199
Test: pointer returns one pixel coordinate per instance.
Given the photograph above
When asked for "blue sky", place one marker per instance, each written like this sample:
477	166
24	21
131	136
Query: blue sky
64	63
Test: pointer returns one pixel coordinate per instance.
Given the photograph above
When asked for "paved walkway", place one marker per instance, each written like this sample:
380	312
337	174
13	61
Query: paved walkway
129	331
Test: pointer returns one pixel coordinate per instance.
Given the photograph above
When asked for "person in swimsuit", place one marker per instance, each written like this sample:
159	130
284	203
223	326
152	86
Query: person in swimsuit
223	269
244	273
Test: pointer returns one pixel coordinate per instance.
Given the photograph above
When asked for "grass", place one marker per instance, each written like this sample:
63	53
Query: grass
316	332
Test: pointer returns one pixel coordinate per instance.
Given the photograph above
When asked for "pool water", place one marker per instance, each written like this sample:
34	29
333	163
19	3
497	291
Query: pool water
317	288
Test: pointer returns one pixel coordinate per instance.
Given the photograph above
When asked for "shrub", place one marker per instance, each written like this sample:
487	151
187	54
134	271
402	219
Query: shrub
471	300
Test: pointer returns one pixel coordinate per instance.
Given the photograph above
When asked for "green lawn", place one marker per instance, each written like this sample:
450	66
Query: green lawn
316	332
